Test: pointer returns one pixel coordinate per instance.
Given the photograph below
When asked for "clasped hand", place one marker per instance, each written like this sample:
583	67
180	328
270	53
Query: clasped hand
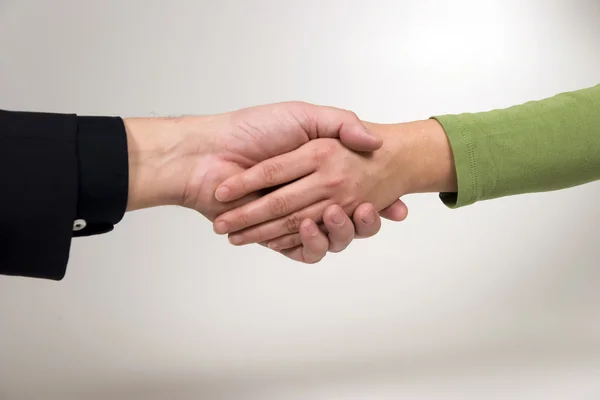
228	168
308	193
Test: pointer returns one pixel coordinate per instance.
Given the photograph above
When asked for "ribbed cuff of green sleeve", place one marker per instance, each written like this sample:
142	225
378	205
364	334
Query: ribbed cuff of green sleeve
461	143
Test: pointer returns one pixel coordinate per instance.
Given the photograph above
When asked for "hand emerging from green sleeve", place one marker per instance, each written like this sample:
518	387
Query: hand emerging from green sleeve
415	158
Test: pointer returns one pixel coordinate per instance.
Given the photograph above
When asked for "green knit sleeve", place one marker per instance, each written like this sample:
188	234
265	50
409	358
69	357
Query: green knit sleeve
538	146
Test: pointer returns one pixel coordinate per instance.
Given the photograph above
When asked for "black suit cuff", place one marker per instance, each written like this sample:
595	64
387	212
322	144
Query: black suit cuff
103	174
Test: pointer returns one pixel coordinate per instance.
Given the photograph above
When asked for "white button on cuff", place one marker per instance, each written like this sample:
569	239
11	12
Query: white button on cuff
79	224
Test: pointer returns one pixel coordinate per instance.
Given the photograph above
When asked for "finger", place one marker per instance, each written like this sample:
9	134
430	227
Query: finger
289	241
272	172
283	201
314	244
330	122
285	242
294	253
280	227
221	208
366	220
339	225
396	212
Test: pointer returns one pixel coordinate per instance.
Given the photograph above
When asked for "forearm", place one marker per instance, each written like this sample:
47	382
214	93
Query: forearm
534	147
428	160
424	161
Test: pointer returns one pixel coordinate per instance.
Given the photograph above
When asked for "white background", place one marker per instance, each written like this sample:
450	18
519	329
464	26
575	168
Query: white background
498	300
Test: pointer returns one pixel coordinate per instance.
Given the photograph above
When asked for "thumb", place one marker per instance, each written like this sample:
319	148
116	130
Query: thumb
398	211
358	137
330	122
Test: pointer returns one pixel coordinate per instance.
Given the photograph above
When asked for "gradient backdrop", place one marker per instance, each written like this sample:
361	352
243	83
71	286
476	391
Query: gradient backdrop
499	300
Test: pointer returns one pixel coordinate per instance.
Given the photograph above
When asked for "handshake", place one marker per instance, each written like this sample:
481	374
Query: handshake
298	178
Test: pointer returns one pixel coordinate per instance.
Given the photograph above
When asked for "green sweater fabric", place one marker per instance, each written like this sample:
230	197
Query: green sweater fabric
538	146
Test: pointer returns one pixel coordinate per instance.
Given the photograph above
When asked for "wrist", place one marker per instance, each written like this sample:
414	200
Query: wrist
436	172
425	162
152	147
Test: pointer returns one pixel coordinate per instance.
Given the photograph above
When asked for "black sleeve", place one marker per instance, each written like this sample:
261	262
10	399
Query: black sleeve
62	176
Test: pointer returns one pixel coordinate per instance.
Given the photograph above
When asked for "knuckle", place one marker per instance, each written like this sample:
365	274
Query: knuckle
292	223
324	151
259	235
243	218
335	182
349	203
277	206
240	184
271	172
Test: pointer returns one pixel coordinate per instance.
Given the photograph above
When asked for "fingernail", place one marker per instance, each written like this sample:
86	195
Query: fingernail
312	229
235	240
272	246
337	218
369	217
222	193
221	227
